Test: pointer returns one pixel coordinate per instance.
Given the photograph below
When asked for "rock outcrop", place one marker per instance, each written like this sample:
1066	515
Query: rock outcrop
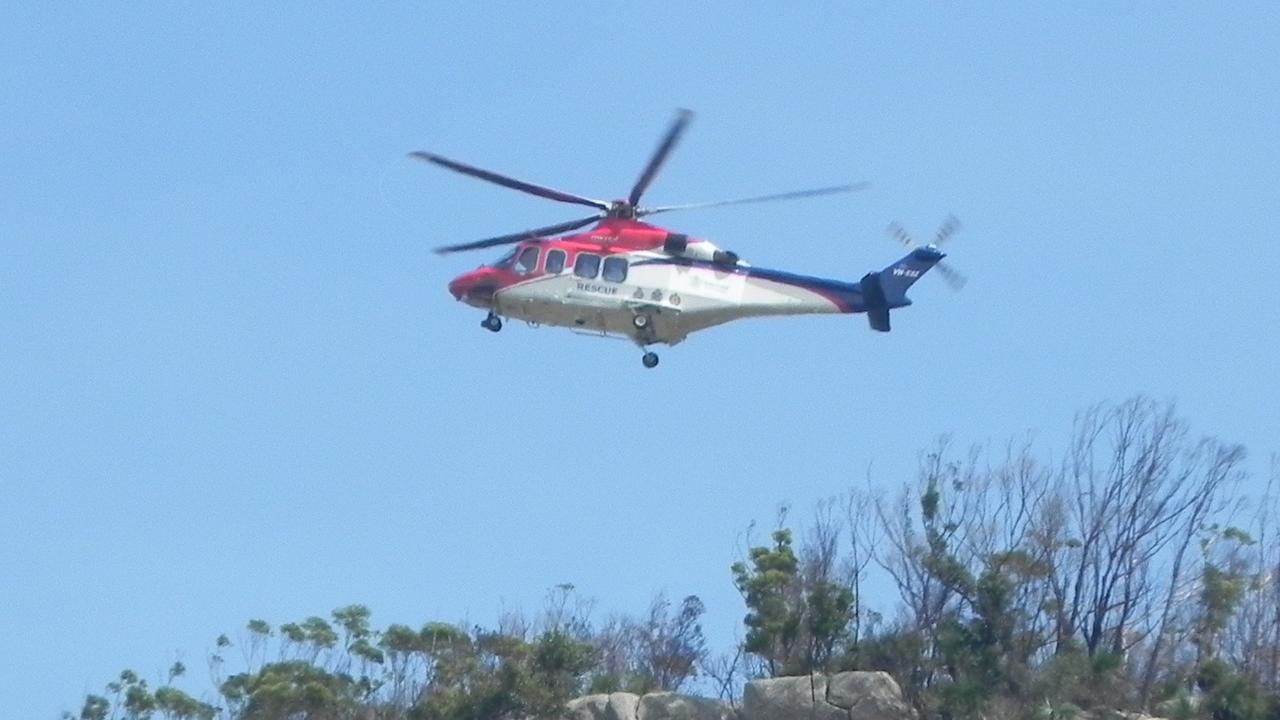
869	696
787	698
843	696
613	706
623	706
672	706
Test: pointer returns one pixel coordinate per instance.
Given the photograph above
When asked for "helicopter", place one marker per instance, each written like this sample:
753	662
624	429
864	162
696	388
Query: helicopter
628	278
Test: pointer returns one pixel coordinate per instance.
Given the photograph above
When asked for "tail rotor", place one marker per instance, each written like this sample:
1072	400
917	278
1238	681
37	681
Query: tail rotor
955	279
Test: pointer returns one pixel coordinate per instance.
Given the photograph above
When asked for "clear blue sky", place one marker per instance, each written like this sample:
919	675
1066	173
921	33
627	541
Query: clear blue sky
232	383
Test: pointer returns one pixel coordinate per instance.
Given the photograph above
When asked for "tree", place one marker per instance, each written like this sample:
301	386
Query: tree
798	614
295	688
1008	570
659	651
495	677
768	588
927	556
1134	483
131	699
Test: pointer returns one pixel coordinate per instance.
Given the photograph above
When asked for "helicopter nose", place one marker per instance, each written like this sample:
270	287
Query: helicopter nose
463	285
458	287
475	287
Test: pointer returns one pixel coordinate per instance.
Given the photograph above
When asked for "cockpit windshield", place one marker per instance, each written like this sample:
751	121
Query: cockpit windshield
505	260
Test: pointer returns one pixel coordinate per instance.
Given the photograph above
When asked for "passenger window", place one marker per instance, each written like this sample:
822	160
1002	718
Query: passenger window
586	266
555	261
615	269
528	261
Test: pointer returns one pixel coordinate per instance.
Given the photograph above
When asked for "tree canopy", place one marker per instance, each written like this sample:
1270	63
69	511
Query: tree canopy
1127	574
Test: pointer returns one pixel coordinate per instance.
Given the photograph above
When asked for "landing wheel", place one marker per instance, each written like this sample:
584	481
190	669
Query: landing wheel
492	323
640	321
650	359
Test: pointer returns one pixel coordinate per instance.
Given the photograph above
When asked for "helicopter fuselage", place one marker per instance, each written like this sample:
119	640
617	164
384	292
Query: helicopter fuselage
630	279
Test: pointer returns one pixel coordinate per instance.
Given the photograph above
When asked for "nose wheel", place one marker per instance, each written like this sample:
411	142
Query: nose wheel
492	323
650	359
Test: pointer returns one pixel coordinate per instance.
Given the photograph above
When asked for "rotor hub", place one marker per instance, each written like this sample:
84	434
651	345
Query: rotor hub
621	209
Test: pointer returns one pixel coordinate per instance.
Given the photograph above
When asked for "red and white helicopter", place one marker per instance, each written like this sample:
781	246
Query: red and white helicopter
631	279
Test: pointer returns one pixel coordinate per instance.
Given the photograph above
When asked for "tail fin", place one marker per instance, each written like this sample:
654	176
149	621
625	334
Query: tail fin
896	278
887	289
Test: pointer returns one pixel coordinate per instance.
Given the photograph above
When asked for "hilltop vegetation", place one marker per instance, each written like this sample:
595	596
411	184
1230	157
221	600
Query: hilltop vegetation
1128	574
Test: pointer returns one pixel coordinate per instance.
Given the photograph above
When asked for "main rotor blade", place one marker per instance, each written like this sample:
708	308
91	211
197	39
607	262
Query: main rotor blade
512	183
761	198
517	237
660	155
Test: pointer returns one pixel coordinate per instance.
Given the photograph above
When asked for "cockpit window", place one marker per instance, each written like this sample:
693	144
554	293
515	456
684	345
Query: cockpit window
505	260
555	261
615	269
586	266
528	261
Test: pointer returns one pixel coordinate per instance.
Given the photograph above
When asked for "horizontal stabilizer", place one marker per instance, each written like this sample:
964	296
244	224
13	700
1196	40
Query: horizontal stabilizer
878	318
877	307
